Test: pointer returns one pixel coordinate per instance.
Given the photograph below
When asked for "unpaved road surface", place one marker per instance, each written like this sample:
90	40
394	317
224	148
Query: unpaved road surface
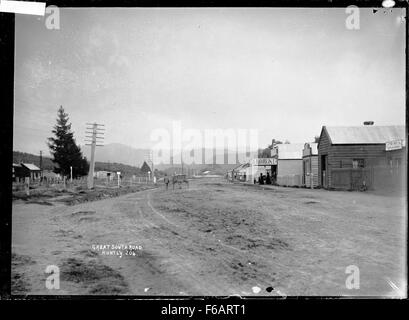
215	238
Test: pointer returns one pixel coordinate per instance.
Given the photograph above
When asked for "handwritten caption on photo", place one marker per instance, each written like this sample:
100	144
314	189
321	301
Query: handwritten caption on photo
119	250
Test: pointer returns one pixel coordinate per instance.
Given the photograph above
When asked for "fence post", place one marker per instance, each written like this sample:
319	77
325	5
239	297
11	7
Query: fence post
27	185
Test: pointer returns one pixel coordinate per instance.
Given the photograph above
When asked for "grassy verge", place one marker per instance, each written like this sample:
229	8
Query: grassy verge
19	281
75	195
99	278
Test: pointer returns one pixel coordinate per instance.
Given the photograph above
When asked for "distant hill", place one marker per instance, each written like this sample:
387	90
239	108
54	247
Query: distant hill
119	153
217	169
128	160
31	158
126	170
123	168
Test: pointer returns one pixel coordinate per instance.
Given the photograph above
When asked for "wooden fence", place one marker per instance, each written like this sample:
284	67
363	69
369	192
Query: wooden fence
61	183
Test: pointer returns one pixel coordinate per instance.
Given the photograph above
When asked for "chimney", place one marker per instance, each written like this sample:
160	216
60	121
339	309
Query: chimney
369	123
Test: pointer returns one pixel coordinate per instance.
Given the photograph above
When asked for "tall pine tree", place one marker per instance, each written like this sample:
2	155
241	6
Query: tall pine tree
65	151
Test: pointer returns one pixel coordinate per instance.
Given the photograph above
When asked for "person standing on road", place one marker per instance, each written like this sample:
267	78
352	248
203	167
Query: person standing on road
261	179
166	180
268	179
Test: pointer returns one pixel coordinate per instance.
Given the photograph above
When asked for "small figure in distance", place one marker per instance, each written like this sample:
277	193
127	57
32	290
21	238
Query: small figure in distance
166	180
268	179
261	179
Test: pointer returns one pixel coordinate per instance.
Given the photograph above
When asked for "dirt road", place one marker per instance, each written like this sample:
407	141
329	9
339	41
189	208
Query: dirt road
215	238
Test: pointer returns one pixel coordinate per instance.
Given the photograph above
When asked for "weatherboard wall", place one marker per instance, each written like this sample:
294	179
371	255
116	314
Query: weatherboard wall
311	170
342	155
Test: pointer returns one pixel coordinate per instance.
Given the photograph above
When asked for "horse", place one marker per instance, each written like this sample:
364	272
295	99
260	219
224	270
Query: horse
179	179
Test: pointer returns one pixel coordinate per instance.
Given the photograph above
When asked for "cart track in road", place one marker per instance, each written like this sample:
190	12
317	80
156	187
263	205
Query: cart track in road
151	220
185	249
226	255
175	236
220	239
182	266
244	253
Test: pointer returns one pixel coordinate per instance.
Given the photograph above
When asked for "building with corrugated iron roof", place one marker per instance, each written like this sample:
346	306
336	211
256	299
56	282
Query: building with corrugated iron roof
354	157
241	172
26	170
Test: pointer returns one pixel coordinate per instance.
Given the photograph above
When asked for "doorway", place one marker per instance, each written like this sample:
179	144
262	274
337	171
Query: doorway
274	174
324	171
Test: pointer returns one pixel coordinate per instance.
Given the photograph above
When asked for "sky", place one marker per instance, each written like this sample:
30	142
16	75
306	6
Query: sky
284	72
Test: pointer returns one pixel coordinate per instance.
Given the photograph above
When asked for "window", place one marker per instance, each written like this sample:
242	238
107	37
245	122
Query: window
358	163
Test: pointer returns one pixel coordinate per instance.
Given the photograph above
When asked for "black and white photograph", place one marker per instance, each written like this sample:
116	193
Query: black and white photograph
209	151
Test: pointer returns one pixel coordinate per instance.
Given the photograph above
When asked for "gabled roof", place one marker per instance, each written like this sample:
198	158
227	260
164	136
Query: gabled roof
290	151
365	134
31	166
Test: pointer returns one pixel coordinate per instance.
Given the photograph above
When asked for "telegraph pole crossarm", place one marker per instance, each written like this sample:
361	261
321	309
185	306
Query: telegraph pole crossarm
93	143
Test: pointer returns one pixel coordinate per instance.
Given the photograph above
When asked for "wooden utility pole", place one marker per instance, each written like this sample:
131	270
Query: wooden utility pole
97	137
41	160
153	170
181	160
150	156
41	166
